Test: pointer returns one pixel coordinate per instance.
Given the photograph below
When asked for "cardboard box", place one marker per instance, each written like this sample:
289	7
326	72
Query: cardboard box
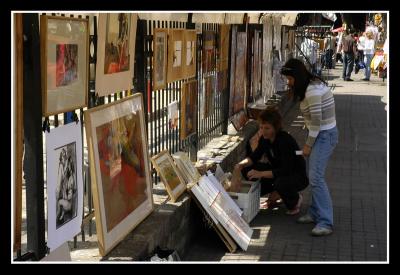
248	199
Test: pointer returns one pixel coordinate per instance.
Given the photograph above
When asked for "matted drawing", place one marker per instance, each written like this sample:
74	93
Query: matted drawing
64	183
115	52
175	55
223	46
188	104
208	51
189	68
208	96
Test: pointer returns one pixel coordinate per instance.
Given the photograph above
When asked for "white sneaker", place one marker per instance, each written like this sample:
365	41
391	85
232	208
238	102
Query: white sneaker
305	219
321	231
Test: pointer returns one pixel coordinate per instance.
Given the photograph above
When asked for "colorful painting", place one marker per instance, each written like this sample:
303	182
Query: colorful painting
208	51
160	59
67	64
115	52
169	174
188	104
120	168
64	54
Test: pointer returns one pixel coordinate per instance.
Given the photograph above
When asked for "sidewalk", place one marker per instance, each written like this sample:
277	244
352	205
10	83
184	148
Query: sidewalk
357	179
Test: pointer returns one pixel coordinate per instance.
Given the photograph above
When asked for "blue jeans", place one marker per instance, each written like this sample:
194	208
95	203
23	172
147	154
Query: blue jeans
321	209
348	63
367	61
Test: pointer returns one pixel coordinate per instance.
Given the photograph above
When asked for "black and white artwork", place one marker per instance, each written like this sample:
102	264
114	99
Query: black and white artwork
64	178
66	189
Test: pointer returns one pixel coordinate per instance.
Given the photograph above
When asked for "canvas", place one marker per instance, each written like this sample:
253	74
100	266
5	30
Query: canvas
189	68
169	174
115	52
160	59
119	165
188	104
64	58
175	55
64	183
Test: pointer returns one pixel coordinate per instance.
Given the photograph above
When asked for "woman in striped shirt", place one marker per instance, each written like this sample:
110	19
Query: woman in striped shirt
318	108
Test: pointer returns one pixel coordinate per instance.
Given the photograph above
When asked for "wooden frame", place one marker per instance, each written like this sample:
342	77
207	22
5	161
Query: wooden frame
189	53
118	74
64	55
18	101
169	173
188	104
160	60
175	55
123	181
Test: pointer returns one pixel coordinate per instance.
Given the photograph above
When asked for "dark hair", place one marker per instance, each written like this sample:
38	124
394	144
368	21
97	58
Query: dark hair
302	77
271	116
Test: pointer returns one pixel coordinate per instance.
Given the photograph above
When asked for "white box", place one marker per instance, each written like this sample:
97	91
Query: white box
248	199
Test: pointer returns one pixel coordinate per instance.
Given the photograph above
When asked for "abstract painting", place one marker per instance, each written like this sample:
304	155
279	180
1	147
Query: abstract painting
65	63
119	166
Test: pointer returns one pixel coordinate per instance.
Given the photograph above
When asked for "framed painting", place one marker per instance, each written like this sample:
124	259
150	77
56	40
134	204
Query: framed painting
64	183
175	55
119	165
64	54
169	174
223	46
188	104
208	96
160	59
189	68
115	52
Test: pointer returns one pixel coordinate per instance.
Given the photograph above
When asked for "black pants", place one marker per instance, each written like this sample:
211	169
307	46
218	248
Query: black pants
286	186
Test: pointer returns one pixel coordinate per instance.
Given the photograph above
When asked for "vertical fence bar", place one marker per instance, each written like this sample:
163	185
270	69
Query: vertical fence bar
32	118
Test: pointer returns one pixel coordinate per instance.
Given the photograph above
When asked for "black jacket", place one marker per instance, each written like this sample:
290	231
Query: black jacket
282	155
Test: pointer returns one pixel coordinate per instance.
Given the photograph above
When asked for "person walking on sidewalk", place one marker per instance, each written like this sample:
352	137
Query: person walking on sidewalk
318	108
349	48
274	161
369	51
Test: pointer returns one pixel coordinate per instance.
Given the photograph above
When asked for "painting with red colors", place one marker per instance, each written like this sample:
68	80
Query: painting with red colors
119	157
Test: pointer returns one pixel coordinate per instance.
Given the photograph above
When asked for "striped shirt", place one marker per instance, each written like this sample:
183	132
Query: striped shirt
318	108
